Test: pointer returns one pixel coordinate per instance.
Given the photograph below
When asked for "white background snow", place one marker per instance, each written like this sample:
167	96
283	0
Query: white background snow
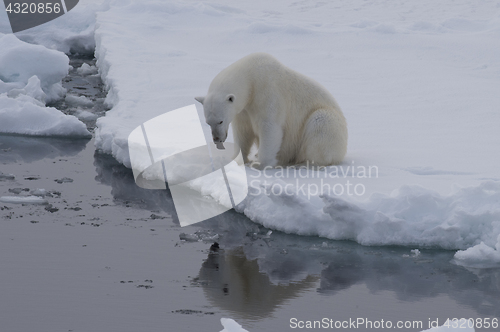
417	81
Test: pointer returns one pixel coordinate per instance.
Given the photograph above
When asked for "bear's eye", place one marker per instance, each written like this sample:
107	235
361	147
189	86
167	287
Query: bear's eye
230	98
221	122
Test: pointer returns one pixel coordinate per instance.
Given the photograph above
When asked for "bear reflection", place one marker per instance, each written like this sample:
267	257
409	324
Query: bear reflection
234	283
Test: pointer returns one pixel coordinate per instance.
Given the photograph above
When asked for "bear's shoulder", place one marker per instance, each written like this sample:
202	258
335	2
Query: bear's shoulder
258	60
260	56
253	67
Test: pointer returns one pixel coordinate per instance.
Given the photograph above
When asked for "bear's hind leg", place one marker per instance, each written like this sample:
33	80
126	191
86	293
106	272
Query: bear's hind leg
325	139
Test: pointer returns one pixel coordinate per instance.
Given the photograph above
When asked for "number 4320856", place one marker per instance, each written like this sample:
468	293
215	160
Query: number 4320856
33	8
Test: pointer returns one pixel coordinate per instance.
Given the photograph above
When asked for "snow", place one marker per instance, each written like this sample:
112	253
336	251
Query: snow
30	77
417	83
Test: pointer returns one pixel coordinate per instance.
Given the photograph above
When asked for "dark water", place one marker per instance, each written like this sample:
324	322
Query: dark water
90	86
130	270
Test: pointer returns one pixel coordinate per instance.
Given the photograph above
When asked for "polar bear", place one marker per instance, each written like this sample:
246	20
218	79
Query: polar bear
291	118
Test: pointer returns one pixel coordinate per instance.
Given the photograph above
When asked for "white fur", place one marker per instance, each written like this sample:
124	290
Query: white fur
290	117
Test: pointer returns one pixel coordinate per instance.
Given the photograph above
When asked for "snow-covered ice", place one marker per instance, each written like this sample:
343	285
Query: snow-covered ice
417	83
71	33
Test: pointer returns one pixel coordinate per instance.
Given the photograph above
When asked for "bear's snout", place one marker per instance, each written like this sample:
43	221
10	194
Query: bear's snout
218	138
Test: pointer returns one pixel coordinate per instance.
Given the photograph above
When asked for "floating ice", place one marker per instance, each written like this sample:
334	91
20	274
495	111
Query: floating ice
231	326
19	61
451	329
64	180
480	256
23	116
39	192
199	236
4	176
23	200
30	76
78	101
85	115
189	237
17	191
86	70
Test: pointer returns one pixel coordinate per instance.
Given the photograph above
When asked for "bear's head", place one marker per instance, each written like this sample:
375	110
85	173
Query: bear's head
220	110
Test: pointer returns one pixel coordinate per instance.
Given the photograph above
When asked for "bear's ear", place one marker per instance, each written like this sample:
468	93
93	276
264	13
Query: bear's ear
230	98
200	99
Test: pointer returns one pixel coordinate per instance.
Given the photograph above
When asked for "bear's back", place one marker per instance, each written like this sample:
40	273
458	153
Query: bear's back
263	74
266	70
